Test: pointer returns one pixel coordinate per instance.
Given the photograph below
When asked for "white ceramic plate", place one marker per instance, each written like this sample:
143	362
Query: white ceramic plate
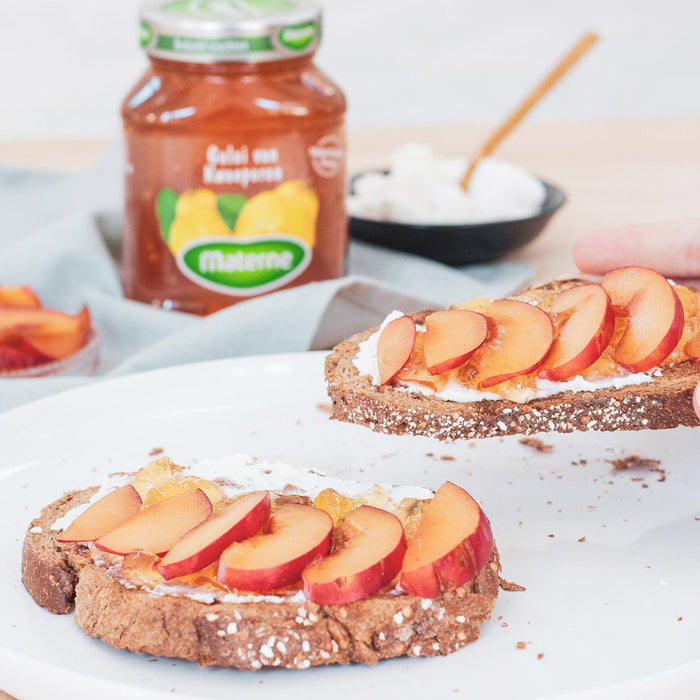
614	616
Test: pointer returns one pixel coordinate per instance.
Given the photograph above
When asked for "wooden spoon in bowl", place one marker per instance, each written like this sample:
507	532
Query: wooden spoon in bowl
530	101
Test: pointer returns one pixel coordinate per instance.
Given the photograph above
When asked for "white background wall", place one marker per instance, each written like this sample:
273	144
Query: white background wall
64	65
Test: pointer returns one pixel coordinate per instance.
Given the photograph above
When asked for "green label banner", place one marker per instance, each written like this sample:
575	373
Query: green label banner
226	46
298	36
145	34
244	266
226	9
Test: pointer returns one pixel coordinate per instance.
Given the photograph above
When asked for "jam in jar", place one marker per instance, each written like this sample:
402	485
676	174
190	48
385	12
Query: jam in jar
235	155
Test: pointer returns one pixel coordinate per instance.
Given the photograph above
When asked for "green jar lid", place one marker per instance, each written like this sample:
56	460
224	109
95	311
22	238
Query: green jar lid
211	31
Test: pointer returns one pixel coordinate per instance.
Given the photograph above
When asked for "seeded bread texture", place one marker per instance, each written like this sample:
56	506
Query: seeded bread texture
664	402
247	636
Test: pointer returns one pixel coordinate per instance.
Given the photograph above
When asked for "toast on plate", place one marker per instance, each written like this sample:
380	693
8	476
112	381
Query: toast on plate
420	584
566	356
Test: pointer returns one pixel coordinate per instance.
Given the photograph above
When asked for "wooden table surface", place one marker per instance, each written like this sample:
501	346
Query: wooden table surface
613	173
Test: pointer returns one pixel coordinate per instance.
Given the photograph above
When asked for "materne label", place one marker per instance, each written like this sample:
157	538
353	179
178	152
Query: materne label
244	266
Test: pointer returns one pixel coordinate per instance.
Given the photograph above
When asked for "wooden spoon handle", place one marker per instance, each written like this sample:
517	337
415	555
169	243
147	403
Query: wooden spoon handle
529	102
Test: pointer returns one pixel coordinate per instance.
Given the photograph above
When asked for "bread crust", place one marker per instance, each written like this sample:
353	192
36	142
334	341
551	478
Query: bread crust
249	636
50	570
664	402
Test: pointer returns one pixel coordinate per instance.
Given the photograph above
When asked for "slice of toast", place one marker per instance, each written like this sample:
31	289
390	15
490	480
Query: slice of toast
664	402
248	632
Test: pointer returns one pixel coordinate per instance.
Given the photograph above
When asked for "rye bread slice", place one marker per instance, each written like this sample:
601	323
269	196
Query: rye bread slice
664	402
249	636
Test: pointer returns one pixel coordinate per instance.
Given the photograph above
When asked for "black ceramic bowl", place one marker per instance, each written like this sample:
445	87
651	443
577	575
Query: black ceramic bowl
458	244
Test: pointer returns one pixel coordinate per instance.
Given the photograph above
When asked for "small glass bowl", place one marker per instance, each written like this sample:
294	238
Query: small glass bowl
82	363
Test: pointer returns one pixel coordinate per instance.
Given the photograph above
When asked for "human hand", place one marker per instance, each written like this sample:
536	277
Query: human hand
673	249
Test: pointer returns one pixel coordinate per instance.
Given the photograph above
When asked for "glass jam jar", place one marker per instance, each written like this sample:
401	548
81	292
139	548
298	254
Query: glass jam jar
235	155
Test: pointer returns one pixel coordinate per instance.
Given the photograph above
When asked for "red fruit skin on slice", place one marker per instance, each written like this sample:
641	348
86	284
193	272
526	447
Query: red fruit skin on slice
452	519
14	359
172	566
374	534
394	347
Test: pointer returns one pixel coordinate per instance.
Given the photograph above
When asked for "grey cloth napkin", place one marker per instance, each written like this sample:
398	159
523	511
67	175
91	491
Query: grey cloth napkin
60	234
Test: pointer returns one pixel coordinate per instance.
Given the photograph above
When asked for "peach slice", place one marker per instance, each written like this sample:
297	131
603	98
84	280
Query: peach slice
277	555
452	337
203	544
19	296
520	336
415	369
452	544
17	353
158	528
54	334
38	357
372	554
62	337
18	317
12	358
103	516
394	347
655	316
583	335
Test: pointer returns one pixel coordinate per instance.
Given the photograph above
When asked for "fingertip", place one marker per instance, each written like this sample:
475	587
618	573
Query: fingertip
587	253
579	255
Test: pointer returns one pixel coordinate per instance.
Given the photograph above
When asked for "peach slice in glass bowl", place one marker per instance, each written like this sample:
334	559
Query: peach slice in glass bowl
42	342
82	363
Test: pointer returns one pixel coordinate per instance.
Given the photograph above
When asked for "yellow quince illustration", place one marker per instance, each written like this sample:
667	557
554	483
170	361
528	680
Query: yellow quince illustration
290	208
196	216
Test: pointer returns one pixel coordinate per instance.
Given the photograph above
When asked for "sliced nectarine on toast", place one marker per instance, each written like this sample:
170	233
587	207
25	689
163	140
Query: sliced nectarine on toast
583	335
372	554
103	516
451	338
654	312
277	555
520	336
158	528
203	544
451	545
394	347
415	369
